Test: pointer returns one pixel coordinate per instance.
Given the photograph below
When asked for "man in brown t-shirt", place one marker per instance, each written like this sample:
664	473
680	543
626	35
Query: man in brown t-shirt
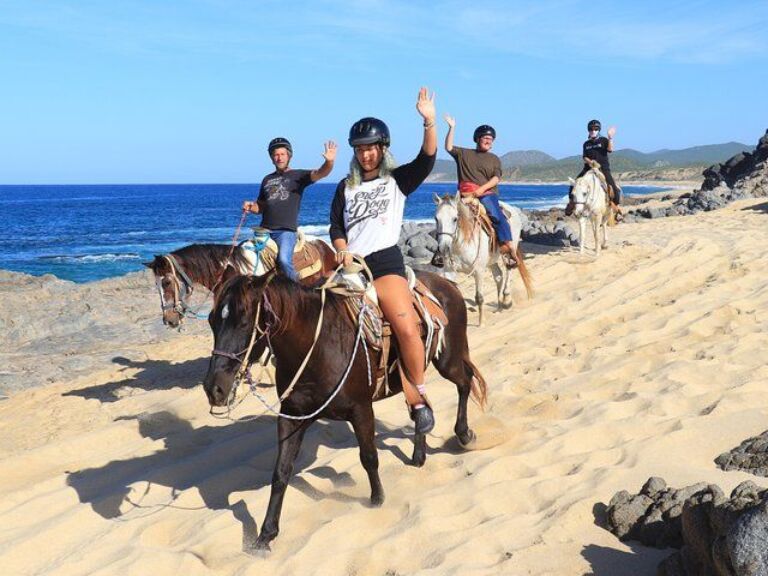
479	173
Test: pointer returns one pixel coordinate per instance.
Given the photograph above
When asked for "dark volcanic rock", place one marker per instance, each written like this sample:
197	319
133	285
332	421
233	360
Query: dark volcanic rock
750	456
715	535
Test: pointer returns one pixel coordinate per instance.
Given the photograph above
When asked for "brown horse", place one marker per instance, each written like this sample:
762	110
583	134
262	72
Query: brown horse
211	265
336	380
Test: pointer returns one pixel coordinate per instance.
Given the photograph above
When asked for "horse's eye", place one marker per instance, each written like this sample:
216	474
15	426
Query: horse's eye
225	312
455	219
166	282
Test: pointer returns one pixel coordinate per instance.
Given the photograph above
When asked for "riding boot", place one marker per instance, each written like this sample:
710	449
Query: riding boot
424	418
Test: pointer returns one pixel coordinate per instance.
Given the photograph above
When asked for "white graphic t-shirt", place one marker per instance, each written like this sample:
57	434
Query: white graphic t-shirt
369	216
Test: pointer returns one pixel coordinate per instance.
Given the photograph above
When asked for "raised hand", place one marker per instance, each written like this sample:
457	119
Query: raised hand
611	131
426	105
450	120
330	151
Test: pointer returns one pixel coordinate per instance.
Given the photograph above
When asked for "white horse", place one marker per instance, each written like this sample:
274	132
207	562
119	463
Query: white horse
465	247
589	196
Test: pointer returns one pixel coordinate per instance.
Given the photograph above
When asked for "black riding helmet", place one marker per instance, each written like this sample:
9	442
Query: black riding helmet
368	131
279	143
484	130
594	125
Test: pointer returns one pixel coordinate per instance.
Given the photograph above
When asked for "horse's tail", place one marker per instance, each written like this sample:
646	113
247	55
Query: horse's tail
523	269
479	388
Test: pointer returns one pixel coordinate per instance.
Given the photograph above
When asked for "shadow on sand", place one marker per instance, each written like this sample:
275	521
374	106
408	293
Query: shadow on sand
757	208
639	561
152	375
216	461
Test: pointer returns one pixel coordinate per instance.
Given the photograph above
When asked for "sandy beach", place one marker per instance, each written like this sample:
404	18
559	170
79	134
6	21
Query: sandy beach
647	362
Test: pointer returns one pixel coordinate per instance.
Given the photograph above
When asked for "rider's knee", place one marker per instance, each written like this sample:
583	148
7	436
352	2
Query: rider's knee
407	329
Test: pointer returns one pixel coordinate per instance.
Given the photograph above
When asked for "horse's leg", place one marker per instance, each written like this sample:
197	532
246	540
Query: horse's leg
596	232
363	425
498	278
605	234
478	274
582	233
290	434
451	366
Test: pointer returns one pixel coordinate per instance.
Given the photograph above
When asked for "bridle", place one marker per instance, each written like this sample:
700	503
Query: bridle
454	238
591	192
182	287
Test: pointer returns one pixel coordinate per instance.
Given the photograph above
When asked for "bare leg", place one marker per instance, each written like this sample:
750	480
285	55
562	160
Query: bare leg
397	307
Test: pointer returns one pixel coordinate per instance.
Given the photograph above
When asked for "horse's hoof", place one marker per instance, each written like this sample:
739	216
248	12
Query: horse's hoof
377	500
418	460
467	439
258	549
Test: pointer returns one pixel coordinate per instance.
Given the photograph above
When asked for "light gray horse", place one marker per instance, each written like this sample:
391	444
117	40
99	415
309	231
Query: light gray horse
465	247
591	204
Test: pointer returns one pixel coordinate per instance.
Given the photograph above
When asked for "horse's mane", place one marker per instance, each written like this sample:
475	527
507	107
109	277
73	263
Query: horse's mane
289	300
466	220
207	259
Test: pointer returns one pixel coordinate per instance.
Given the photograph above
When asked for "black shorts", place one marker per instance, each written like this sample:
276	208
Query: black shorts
385	262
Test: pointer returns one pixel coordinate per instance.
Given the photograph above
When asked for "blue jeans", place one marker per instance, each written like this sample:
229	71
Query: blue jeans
286	241
499	221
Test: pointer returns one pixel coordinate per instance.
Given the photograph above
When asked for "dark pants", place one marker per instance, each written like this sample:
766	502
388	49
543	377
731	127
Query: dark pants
608	178
499	221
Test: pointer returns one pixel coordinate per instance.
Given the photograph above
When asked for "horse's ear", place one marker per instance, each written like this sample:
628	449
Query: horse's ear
457	197
571	181
436	198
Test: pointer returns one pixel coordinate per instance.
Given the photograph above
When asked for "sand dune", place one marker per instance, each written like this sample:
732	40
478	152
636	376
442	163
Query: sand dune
650	361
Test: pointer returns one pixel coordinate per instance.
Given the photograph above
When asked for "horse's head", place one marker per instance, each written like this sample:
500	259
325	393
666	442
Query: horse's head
233	321
171	288
582	190
446	221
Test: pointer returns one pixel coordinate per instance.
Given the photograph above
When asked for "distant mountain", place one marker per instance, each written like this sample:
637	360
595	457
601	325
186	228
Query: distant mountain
709	154
539	166
525	158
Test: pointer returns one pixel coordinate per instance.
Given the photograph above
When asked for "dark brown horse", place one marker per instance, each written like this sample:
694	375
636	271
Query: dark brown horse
288	315
211	265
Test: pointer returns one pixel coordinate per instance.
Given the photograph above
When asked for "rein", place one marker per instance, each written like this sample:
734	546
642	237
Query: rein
243	372
179	303
456	241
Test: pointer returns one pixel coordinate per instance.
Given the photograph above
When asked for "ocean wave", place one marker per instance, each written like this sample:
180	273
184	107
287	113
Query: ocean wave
88	258
319	230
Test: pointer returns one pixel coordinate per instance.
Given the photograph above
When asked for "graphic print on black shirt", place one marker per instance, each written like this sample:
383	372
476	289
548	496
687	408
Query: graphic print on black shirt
280	198
367	204
597	149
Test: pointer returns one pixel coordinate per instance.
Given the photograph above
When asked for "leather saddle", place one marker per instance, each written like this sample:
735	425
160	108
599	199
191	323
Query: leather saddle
261	252
359	291
481	216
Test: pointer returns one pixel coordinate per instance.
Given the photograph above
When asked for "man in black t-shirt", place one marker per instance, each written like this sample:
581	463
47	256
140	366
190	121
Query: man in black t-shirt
280	198
597	148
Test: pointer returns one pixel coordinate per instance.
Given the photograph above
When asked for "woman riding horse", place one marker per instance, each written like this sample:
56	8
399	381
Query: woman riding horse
366	218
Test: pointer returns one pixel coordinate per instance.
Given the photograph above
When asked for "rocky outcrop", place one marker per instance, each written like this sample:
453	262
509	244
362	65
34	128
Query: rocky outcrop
418	240
738	168
750	456
715	535
743	176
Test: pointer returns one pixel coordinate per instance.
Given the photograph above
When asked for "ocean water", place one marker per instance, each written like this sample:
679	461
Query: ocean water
84	233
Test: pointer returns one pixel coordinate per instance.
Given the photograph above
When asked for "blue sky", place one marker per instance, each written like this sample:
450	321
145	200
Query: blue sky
164	91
